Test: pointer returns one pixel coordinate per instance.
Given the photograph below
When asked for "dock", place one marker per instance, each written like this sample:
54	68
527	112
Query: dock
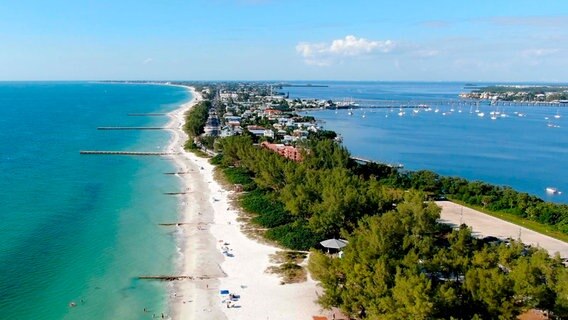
147	114
127	153
173	173
174	193
132	128
174	277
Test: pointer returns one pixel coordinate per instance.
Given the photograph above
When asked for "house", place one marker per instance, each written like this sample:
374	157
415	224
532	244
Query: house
256	130
268	112
269	133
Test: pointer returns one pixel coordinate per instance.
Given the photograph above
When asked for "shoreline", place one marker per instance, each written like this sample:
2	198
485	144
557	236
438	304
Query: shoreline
210	222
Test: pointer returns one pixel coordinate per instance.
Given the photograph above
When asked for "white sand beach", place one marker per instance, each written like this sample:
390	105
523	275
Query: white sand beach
210	223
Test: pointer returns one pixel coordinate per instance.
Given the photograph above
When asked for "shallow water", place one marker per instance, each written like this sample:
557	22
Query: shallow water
80	228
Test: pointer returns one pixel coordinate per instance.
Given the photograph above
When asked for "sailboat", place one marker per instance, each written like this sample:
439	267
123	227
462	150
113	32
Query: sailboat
557	115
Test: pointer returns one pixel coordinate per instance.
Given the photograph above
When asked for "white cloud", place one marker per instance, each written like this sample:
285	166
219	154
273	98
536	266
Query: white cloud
148	60
324	54
351	46
540	52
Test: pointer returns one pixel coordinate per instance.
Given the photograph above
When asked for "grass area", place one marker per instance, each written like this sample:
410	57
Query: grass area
532	225
289	267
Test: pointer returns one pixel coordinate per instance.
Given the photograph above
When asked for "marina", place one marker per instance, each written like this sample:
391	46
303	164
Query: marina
465	142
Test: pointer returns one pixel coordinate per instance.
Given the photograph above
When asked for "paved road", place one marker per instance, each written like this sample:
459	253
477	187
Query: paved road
485	225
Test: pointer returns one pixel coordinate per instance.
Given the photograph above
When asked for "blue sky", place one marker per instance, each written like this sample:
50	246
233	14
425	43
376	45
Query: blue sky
438	40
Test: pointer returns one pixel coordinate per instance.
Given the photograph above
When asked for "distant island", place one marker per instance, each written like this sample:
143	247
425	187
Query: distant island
519	93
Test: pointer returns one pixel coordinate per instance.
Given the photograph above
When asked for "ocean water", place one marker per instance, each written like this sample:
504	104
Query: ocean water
80	228
522	152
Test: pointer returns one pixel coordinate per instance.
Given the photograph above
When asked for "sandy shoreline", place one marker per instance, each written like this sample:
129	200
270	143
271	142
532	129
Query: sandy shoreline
210	224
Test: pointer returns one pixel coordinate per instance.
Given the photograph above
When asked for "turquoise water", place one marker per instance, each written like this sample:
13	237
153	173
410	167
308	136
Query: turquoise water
521	152
80	228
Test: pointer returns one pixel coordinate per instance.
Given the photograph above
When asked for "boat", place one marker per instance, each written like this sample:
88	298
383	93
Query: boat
552	190
481	114
350	112
557	115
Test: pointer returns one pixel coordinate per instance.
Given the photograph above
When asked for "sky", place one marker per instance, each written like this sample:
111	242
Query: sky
404	40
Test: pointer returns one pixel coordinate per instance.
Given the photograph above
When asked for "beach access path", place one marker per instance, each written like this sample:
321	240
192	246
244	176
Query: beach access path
213	245
484	225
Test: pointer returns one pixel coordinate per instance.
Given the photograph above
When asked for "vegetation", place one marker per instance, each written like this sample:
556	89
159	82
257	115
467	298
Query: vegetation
289	266
403	265
400	263
196	118
497	200
528	89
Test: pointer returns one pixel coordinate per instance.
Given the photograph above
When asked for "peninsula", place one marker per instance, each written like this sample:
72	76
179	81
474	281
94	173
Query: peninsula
296	186
520	93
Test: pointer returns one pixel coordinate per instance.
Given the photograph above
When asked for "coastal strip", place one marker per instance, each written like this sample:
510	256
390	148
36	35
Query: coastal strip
212	228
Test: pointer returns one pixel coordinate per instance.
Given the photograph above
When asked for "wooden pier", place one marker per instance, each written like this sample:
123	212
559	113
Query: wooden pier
174	278
174	193
173	173
127	153
147	114
132	128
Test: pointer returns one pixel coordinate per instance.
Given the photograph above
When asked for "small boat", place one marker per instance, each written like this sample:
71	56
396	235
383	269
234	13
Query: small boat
552	190
481	114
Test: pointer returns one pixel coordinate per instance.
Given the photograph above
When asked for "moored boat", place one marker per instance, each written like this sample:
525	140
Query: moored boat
552	190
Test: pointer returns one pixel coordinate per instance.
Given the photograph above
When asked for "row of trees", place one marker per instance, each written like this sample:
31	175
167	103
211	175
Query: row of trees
477	193
404	265
494	198
196	117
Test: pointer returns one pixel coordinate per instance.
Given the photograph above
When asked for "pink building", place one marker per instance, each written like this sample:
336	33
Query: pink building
289	152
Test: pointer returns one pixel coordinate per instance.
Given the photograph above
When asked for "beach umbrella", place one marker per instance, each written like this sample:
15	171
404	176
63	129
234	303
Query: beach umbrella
334	243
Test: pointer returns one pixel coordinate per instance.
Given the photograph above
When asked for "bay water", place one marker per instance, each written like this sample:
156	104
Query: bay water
527	149
80	228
